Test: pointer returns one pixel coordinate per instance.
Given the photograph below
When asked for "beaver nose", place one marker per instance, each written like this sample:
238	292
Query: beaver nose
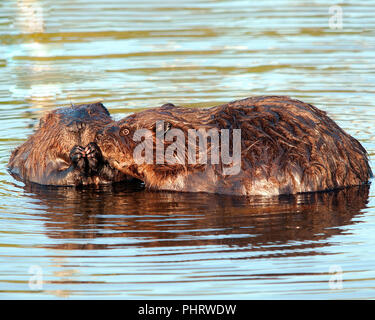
107	133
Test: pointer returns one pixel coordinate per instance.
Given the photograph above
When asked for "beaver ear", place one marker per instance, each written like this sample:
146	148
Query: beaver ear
43	120
168	105
97	108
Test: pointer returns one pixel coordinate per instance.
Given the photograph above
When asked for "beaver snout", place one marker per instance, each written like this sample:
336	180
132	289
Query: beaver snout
76	126
110	142
108	131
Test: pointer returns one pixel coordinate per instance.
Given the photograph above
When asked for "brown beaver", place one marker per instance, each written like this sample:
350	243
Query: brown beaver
286	147
62	151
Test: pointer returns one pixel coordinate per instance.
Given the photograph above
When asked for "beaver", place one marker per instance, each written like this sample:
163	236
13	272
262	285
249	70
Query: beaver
286	146
62	150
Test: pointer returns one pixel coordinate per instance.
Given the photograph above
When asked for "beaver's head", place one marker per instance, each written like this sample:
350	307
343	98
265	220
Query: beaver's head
130	144
116	143
58	132
79	124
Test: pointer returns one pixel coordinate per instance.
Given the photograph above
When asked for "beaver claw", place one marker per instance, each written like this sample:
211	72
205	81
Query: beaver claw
77	156
93	156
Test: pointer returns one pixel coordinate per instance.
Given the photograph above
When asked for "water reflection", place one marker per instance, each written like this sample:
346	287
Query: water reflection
30	16
36	78
123	216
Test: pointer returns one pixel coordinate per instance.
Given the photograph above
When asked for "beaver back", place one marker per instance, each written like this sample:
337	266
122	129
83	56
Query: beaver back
287	146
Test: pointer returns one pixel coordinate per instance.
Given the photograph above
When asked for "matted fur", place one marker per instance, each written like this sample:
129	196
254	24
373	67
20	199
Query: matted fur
288	147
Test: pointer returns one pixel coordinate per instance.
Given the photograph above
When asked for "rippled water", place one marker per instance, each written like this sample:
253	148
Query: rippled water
124	242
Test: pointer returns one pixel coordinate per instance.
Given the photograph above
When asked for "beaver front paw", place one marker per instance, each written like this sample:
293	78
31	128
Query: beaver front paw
93	156
77	156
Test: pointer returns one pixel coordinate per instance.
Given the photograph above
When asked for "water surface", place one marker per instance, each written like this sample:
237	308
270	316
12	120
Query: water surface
128	243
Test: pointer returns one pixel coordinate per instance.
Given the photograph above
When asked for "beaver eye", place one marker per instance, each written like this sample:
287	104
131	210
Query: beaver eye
124	131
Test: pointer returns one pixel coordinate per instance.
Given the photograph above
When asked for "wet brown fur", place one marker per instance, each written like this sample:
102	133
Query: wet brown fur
44	157
287	147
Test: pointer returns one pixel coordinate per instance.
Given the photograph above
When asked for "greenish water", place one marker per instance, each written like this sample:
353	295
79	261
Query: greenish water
123	242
